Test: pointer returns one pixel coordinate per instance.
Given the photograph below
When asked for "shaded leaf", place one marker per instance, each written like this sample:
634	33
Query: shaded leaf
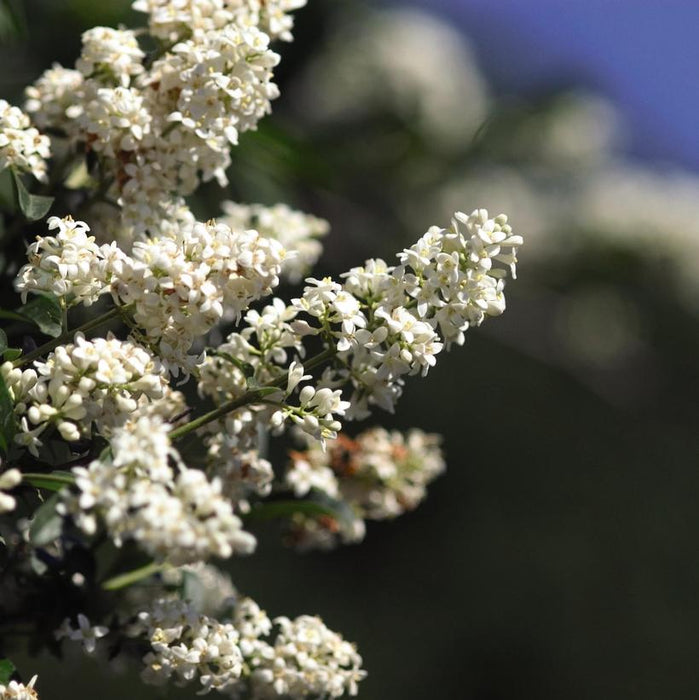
51	482
47	523
7	668
11	354
3	341
45	311
7	417
33	206
285	509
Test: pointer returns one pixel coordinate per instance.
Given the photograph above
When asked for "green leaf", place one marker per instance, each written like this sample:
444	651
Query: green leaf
47	523
8	423
45	311
11	354
33	206
3	341
7	668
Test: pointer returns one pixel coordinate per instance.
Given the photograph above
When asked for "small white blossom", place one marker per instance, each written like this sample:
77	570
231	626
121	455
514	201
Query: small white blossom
85	633
18	691
8	480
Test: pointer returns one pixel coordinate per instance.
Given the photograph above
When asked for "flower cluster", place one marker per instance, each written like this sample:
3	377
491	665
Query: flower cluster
21	145
171	21
175	513
296	231
385	322
69	265
186	645
380	474
18	691
160	126
100	382
305	659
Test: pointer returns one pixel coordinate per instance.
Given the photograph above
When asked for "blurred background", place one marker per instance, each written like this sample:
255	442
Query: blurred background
557	558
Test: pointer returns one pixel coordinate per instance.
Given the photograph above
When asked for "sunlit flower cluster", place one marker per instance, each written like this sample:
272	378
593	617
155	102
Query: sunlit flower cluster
296	231
21	145
18	691
142	491
99	382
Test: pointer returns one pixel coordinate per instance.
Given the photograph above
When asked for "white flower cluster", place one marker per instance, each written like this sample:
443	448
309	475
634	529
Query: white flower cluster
186	645
69	265
110	55
102	382
161	128
21	145
175	513
18	691
170	21
296	231
386	321
380	473
85	633
306	659
179	286
8	480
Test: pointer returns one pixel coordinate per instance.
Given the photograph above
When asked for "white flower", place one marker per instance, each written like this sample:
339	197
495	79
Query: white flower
51	95
85	633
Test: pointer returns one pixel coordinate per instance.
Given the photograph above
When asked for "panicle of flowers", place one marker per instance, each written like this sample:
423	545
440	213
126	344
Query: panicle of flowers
385	322
21	145
9	479
179	284
101	382
170	21
186	646
307	659
18	691
380	473
69	265
296	231
143	492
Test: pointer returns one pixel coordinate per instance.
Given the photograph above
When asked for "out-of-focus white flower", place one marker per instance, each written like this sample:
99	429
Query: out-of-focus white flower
54	92
85	633
407	61
8	480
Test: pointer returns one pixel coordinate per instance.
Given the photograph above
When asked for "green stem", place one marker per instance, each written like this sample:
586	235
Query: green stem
252	396
67	337
123	580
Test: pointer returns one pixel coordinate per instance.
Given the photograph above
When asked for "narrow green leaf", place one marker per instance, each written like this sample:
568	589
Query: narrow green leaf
45	311
3	341
7	417
11	354
33	206
285	509
54	481
131	577
47	523
7	668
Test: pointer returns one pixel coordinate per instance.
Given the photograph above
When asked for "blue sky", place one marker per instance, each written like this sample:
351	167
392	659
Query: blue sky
644	54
